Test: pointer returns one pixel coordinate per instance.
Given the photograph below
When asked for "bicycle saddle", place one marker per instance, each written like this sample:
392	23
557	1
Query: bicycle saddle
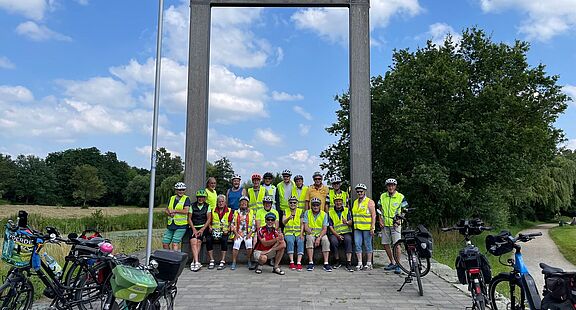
94	242
549	269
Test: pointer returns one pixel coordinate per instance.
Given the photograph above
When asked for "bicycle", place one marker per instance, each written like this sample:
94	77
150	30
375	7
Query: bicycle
472	267
559	288
518	277
415	248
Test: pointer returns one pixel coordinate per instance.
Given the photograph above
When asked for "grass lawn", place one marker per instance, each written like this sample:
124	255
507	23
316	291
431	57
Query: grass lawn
564	238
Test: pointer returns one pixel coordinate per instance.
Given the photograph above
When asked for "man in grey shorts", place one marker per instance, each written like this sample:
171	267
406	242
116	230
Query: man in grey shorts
391	203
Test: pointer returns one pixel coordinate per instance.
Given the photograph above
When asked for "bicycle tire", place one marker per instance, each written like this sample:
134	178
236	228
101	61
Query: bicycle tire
494	297
11	301
89	293
479	302
404	264
418	278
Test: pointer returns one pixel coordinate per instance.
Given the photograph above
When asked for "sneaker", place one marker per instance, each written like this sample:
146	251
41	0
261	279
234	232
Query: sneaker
193	266
327	268
198	266
368	267
233	266
298	267
397	270
390	267
211	265
337	265
310	267
349	267
359	267
292	266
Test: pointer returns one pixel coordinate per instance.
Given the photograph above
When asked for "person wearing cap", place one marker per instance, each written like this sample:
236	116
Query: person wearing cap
260	220
391	203
335	182
294	232
301	191
270	245
270	188
243	227
317	190
285	190
211	192
340	226
256	193
220	229
316	226
364	218
234	193
177	212
199	219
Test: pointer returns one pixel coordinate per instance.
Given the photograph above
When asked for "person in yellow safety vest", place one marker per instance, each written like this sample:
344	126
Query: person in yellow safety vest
335	181
270	188
317	190
261	214
199	219
177	212
256	193
364	217
284	190
220	228
391	203
243	227
340	225
294	232
301	191
316	227
211	192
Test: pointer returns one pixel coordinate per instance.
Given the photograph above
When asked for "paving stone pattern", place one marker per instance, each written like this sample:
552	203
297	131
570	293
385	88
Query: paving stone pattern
340	289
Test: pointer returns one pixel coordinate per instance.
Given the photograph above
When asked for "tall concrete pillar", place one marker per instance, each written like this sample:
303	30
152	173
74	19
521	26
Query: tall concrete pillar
360	110
197	104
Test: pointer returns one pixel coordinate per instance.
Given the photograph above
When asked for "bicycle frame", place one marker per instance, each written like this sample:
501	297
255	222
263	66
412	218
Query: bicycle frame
529	287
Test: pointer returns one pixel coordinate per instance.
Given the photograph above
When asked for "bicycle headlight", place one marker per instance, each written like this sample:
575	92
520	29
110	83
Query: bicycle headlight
423	245
153	263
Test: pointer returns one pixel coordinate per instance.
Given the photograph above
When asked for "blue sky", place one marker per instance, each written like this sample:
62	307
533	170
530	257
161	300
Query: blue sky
80	73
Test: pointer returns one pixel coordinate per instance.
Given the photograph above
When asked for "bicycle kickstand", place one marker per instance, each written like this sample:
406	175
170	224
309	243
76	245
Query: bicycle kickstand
407	280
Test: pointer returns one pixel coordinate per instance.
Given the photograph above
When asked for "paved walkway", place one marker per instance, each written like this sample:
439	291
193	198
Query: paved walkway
376	289
543	249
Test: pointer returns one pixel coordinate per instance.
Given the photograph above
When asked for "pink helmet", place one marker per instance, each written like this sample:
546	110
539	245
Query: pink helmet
106	247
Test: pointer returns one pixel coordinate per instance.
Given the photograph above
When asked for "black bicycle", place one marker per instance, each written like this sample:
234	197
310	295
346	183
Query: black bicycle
472	266
518	282
415	250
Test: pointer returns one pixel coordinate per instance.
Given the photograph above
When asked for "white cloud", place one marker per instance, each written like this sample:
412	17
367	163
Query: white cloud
267	136
438	32
103	91
303	129
571	144
5	63
34	9
544	19
82	2
300	110
282	96
243	156
332	23
301	160
12	94
570	90
37	32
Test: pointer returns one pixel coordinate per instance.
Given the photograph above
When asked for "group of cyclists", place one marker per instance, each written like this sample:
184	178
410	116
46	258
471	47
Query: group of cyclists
287	217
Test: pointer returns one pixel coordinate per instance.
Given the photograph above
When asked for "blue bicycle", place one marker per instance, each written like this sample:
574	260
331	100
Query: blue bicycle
518	282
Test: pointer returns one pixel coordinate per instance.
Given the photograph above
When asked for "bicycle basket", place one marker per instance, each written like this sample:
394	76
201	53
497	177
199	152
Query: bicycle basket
17	248
499	244
132	284
558	287
424	244
469	258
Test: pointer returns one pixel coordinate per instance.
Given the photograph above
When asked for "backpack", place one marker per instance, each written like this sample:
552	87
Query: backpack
470	257
424	242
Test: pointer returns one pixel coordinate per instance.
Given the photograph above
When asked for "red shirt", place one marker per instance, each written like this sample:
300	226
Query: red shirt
264	233
223	211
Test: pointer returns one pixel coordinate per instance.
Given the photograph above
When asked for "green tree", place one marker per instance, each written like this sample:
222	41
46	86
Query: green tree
86	183
138	190
35	180
166	165
463	126
8	173
166	188
223	172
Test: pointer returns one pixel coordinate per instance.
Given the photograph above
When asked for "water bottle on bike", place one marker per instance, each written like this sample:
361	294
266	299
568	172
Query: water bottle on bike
53	264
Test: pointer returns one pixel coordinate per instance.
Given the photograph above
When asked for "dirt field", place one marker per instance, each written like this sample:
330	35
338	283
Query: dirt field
66	212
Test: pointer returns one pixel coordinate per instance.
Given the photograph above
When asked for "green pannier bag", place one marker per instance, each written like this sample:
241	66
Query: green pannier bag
132	284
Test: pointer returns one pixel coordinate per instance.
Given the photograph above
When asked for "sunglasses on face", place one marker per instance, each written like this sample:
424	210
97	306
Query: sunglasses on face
315	205
359	192
269	220
292	202
318	179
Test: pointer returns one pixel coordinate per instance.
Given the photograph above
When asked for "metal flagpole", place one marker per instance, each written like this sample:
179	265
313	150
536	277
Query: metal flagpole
154	132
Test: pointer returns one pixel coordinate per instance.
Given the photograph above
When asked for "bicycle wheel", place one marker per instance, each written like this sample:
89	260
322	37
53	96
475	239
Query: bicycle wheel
91	294
505	295
161	302
403	262
16	295
416	268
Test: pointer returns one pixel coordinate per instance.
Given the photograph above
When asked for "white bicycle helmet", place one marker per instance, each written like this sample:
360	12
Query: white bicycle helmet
391	181
315	201
335	179
298	177
361	186
236	176
286	172
180	185
267	199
